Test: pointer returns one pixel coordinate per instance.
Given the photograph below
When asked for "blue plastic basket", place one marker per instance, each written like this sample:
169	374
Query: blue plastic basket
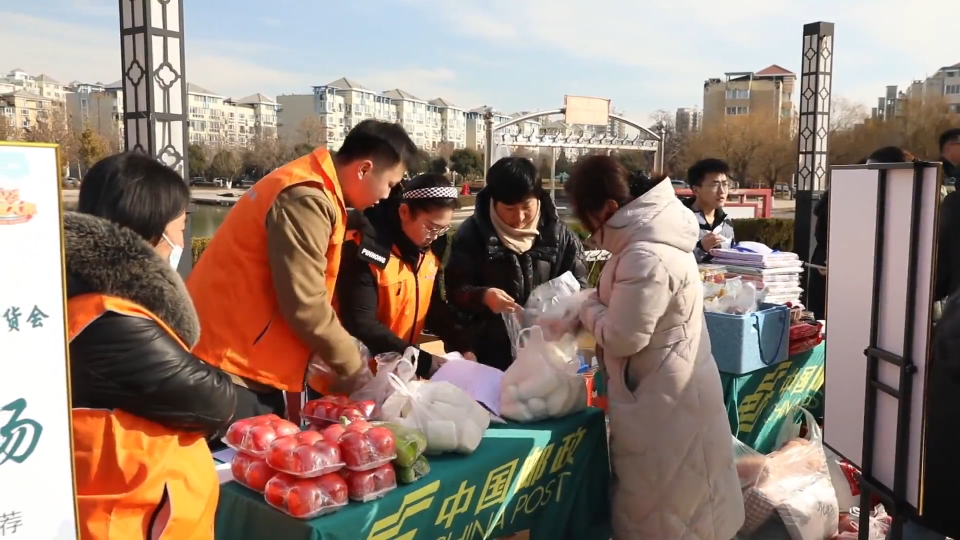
745	343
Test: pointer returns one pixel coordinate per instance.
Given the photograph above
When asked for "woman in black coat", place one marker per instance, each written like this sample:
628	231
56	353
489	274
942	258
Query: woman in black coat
513	242
126	242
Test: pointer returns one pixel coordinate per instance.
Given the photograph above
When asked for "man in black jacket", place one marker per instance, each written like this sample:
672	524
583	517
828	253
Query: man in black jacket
948	254
513	242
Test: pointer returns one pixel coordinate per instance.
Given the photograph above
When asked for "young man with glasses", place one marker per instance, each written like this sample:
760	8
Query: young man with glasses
710	182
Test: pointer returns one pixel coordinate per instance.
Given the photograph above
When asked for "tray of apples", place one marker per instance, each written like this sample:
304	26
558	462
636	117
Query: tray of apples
254	435
330	409
307	498
251	472
307	454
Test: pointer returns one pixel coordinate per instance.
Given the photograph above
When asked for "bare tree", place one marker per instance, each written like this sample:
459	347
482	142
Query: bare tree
313	131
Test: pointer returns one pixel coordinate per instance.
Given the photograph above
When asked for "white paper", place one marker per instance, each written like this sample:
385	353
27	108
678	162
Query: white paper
481	382
225	455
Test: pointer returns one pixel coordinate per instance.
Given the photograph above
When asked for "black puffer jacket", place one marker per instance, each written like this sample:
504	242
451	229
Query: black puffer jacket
942	414
480	261
358	293
130	363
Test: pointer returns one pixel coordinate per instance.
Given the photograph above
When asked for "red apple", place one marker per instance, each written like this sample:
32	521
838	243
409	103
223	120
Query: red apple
333	432
284	427
258	474
383	441
308	437
359	425
334	487
276	492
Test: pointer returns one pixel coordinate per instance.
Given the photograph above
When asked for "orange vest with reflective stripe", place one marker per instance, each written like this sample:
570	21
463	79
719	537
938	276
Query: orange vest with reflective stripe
241	328
135	476
403	292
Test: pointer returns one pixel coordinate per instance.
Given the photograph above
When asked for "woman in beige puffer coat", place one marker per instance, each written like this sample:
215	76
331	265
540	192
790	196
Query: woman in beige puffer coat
674	476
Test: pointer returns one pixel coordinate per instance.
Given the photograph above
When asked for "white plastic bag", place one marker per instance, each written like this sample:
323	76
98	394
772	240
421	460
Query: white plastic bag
379	388
543	381
554	306
842	475
448	417
792	483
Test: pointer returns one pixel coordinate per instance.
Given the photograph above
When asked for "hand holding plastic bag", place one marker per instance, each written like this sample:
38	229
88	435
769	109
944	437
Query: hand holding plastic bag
324	379
379	388
554	306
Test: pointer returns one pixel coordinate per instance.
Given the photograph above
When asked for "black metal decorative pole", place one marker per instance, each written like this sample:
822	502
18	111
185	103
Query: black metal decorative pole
155	117
813	135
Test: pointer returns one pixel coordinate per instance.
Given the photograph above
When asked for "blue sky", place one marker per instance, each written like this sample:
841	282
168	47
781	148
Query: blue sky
513	54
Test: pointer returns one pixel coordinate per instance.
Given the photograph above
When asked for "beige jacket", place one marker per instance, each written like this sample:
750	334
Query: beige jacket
670	443
299	226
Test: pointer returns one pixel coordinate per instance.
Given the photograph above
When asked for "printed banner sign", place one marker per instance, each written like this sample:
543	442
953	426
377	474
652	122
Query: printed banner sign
35	442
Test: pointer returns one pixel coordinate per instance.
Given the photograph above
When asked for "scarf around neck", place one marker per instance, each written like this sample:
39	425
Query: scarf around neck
516	240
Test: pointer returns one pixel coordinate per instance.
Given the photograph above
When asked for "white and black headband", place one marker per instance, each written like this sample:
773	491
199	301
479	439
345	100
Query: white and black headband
448	192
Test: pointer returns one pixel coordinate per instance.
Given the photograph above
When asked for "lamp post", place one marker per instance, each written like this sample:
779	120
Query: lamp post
813	136
153	62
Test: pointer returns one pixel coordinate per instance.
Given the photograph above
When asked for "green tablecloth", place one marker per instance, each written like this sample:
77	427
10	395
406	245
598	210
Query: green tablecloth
551	478
759	402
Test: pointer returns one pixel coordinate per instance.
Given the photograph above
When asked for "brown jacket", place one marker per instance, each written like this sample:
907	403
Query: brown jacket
299	226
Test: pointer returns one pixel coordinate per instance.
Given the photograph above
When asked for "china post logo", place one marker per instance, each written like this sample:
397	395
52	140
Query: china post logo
391	527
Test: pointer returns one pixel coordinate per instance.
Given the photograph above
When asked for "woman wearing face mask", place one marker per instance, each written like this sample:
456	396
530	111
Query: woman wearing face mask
669	434
513	242
388	288
142	404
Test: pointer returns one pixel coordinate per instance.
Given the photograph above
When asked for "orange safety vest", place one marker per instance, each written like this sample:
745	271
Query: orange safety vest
241	328
403	292
136	478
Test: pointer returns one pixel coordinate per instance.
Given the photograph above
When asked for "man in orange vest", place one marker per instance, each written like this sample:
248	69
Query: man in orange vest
263	287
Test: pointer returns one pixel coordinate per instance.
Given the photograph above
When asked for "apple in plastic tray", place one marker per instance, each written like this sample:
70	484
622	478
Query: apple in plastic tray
365	446
306	498
305	455
365	486
254	435
333	408
251	471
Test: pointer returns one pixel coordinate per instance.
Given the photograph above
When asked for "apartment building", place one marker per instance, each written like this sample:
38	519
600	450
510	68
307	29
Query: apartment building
688	120
25	99
765	92
453	123
22	109
421	120
218	120
42	85
342	104
943	85
99	106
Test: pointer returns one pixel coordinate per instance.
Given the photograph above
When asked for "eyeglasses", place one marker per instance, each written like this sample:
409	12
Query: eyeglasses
718	186
434	231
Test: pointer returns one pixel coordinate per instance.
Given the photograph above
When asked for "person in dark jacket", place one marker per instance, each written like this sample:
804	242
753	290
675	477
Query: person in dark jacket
513	242
816	299
948	251
389	286
142	404
131	363
710	182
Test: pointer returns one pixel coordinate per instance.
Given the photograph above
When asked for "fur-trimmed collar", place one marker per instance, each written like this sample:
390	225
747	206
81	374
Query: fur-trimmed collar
106	259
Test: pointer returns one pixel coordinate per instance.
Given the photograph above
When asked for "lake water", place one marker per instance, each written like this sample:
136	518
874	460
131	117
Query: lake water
205	220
